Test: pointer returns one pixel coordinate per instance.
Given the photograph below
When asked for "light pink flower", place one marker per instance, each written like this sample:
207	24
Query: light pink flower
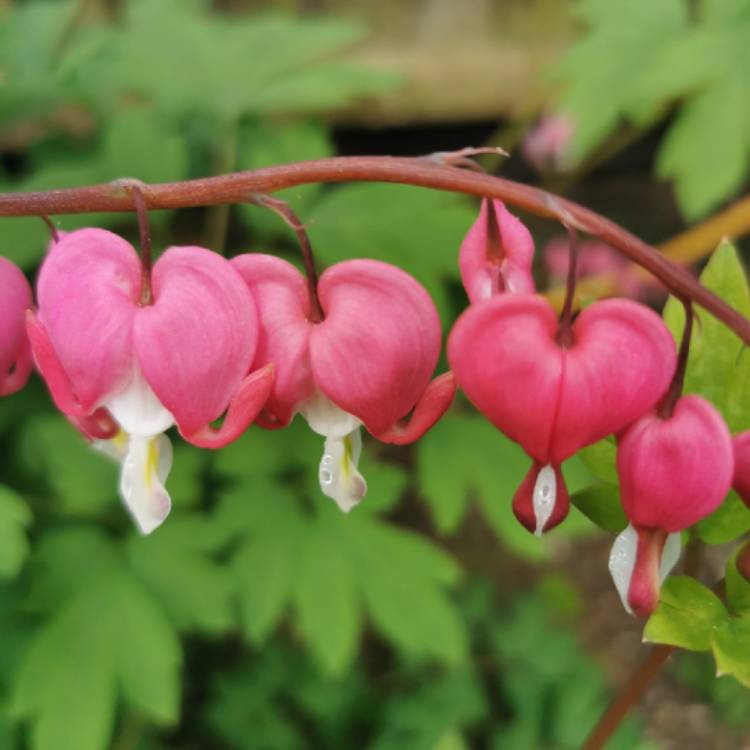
496	254
368	362
182	360
554	399
15	354
547	145
673	472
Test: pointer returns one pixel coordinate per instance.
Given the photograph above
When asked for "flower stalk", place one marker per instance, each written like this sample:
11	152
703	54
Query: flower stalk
235	187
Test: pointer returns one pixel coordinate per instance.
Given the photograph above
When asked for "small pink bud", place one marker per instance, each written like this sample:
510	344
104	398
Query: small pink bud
496	254
182	360
547	145
15	354
673	472
369	361
554	399
741	480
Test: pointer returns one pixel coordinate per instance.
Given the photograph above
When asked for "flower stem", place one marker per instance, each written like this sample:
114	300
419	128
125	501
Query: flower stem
287	213
630	693
144	232
565	330
234	188
672	396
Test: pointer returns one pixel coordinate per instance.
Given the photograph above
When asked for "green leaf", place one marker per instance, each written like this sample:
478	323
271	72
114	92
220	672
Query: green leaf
109	638
600	503
729	521
737	588
176	566
731	645
15	518
687	616
326	599
601	460
84	481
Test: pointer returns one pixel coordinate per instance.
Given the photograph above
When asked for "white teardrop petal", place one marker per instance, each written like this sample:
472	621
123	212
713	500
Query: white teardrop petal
622	562
137	409
544	497
670	555
338	474
142	478
325	418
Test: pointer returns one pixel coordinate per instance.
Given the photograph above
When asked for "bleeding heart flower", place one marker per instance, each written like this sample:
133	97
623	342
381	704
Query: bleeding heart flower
741	480
496	254
369	361
547	146
554	398
15	354
673	472
113	363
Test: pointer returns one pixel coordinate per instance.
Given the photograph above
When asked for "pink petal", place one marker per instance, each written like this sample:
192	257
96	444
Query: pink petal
376	350
643	593
97	426
619	366
280	294
196	342
496	254
674	472
505	358
433	403
88	289
244	407
741	481
15	299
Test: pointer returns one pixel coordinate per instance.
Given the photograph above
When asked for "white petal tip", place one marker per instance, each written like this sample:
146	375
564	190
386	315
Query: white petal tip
338	474
544	497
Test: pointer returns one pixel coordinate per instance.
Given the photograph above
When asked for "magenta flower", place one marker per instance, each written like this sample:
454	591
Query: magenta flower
741	479
15	354
496	254
368	362
673	472
554	399
107	358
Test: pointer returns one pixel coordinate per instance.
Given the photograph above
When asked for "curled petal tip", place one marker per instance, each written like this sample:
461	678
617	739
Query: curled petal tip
244	408
541	502
17	377
434	402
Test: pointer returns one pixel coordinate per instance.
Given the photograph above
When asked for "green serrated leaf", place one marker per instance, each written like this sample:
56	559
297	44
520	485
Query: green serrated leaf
109	638
326	599
600	503
687	616
174	563
731	645
15	517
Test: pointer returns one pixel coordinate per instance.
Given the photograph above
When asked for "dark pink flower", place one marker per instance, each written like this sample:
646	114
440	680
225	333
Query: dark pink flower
496	254
15	354
368	362
182	360
554	399
673	472
741	480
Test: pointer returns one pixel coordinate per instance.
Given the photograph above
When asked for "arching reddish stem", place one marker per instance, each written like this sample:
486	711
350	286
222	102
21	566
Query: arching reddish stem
235	187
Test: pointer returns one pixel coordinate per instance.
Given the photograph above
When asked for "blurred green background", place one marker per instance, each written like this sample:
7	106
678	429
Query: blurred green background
258	617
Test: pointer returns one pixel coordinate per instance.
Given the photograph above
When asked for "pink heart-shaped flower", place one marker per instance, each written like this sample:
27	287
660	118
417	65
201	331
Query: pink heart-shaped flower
554	399
15	354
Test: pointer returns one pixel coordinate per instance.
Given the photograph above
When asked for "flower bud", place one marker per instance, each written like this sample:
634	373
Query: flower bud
673	472
15	354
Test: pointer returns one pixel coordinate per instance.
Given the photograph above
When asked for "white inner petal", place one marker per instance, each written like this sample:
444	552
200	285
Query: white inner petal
144	471
325	418
338	474
622	562
115	448
137	409
544	497
670	555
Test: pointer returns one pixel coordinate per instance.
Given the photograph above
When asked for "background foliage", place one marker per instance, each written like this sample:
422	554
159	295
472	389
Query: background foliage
258	616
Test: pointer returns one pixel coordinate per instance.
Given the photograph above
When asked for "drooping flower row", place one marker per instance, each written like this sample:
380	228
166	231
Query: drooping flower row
239	338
